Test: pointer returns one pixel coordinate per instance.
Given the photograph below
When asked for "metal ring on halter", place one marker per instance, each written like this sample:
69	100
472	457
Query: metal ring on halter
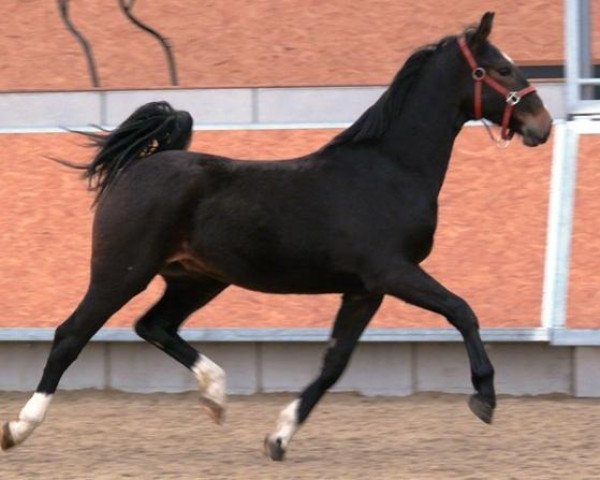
478	73
513	98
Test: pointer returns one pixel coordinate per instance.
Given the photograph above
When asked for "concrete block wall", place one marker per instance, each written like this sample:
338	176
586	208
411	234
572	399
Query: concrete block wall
49	109
211	108
21	366
389	368
207	106
586	382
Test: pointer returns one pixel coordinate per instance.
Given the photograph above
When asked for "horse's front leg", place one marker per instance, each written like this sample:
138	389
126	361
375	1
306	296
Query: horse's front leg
352	318
409	282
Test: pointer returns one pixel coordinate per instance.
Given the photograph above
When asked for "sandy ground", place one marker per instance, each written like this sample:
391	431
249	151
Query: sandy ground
111	435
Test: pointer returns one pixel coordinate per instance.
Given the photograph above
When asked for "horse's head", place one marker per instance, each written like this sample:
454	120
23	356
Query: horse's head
496	89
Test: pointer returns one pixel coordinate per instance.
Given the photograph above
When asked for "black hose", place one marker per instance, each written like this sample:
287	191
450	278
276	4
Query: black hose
63	6
127	6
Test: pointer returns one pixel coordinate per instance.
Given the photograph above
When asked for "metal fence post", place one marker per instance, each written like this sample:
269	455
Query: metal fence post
560	227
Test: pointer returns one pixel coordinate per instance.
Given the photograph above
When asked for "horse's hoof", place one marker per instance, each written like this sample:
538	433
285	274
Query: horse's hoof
7	439
215	411
481	408
273	449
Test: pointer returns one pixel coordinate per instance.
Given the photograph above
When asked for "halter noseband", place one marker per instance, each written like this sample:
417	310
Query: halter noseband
480	76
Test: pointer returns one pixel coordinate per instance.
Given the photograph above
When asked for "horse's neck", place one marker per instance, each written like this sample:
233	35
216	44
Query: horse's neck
422	136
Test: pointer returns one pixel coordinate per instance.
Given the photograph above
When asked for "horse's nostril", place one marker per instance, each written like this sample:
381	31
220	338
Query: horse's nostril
535	135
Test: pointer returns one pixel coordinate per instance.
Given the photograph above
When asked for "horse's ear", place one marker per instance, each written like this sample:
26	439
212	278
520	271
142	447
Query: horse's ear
483	30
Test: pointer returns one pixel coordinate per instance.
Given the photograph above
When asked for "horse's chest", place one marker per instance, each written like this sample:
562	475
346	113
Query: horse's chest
417	236
418	247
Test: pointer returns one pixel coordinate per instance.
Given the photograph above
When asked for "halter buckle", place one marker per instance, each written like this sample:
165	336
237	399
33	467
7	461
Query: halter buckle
513	98
478	74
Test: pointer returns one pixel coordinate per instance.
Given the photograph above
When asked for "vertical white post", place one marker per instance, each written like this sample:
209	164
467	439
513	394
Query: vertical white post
586	66
560	226
572	53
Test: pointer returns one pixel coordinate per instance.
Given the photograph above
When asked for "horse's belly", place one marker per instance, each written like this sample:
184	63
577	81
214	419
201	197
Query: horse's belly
291	282
272	276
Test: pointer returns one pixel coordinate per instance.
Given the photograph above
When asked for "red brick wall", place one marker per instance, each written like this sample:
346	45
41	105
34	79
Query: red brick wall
584	292
489	247
258	42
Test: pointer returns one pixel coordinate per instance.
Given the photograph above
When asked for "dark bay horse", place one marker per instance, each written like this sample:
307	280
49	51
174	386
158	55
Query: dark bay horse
356	217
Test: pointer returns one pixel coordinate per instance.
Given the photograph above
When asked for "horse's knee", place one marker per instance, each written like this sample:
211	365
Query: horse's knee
144	330
62	332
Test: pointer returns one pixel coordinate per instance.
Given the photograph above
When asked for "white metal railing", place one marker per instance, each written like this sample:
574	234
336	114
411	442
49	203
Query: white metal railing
560	226
579	68
582	111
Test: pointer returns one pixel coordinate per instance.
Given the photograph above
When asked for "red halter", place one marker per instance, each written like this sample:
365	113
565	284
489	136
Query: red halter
480	76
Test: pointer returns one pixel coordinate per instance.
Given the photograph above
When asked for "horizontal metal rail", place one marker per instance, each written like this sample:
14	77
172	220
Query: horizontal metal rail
308	335
588	81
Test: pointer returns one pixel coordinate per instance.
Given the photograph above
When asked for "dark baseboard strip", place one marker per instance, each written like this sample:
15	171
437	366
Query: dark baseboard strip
550	71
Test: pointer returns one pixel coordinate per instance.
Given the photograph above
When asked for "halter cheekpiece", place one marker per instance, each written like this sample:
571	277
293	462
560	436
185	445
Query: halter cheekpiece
480	76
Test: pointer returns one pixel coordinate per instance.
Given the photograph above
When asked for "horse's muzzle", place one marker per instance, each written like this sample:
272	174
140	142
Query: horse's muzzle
536	128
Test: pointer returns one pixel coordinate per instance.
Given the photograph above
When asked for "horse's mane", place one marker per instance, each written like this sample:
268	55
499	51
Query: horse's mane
376	120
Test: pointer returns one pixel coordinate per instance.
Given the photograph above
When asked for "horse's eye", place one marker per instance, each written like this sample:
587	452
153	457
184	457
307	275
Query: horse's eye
505	71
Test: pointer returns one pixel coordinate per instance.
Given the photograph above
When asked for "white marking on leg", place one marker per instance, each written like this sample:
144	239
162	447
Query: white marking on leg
211	379
287	424
31	416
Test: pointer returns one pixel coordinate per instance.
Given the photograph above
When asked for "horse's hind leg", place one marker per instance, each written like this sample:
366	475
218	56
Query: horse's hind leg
184	295
354	315
102	300
126	256
412	284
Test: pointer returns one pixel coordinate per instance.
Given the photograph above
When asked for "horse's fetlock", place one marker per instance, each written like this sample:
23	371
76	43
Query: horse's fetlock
34	410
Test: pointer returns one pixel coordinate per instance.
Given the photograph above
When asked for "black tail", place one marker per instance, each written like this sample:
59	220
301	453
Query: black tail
152	128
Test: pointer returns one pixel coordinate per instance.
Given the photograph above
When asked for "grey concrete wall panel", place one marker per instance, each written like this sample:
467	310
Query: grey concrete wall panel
531	369
88	371
287	369
207	106
314	105
49	110
441	367
143	368
379	370
373	369
521	369
23	363
586	381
